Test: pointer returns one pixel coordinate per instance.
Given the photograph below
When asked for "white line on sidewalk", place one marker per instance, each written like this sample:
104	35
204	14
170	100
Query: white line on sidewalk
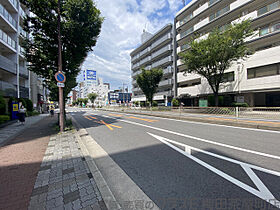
200	139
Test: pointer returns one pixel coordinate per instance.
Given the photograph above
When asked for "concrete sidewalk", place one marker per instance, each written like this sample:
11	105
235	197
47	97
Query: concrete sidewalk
207	118
40	169
15	128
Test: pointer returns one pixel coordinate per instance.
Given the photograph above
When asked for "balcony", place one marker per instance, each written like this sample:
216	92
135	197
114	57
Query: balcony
165	83
200	9
14	4
8	65
162	62
24	92
162	40
166	93
23	71
134	74
145	60
201	24
134	66
8	17
161	51
167	70
22	13
8	89
8	40
22	32
143	52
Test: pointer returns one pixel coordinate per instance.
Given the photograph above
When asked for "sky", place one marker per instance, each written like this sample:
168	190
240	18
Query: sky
121	34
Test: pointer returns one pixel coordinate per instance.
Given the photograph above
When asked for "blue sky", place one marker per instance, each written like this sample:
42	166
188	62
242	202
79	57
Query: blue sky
120	34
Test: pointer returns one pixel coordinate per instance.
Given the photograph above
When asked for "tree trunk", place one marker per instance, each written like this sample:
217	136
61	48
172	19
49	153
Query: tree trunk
216	96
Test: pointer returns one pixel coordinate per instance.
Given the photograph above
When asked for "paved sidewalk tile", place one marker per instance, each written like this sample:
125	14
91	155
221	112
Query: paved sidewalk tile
20	160
15	128
64	180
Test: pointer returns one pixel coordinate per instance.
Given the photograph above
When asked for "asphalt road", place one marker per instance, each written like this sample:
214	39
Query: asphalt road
189	165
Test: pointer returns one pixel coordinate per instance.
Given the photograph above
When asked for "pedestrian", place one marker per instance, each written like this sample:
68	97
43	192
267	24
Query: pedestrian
21	114
52	111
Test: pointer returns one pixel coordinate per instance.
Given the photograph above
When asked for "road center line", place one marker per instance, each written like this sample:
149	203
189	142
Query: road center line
202	140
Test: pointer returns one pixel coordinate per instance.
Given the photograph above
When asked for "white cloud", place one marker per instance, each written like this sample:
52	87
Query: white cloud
120	34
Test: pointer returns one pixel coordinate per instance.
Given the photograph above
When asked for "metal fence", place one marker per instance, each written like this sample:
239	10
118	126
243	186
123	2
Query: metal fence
261	113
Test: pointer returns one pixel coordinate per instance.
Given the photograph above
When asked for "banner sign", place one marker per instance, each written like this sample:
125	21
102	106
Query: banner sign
91	75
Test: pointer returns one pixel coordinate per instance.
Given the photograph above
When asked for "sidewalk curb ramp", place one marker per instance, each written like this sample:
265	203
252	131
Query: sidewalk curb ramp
236	123
92	151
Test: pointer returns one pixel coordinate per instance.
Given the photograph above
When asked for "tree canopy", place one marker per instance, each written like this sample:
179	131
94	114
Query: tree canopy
210	57
92	97
80	27
148	82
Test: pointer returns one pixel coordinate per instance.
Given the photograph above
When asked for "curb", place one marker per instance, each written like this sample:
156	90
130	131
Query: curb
102	185
235	124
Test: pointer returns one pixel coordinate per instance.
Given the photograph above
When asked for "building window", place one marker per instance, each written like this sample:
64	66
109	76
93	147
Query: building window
187	32
186	19
228	77
269	29
269	8
219	13
263	71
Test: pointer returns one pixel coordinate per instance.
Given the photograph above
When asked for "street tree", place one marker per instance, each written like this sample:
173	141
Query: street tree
85	101
92	97
148	82
210	57
80	27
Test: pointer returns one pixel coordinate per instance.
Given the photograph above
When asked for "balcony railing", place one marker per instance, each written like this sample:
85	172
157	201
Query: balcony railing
165	82
23	71
14	3
22	32
162	61
7	39
8	16
167	70
7	64
161	40
162	50
8	89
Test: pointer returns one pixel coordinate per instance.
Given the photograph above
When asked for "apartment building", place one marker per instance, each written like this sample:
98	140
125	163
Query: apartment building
14	76
155	51
255	80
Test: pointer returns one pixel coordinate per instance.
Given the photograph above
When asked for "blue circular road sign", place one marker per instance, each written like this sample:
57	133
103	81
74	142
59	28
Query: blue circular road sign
60	77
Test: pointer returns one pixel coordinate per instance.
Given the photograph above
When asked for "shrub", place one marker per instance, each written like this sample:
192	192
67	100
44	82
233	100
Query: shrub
32	113
29	105
2	105
155	103
175	102
239	104
142	104
4	118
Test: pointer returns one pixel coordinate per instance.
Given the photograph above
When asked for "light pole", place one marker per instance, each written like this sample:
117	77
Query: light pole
60	89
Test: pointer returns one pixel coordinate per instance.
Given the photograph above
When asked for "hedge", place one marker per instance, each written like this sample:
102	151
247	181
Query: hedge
4	118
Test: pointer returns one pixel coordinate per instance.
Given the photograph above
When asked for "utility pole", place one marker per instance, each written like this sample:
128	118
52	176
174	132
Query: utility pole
60	89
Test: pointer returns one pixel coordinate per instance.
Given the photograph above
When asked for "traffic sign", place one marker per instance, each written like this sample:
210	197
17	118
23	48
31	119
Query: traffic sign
60	77
59	84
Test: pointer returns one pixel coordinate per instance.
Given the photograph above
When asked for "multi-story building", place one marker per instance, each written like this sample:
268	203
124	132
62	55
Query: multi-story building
102	90
13	71
255	80
156	51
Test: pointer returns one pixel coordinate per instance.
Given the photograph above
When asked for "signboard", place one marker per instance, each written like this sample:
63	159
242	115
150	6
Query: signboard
91	75
60	84
203	103
15	107
60	77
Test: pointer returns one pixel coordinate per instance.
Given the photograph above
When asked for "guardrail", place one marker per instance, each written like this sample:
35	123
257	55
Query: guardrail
261	113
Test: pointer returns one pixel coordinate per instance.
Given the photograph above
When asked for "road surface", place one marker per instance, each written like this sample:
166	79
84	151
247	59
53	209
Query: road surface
187	165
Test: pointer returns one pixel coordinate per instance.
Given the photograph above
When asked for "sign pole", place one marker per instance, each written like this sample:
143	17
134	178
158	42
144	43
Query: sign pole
60	89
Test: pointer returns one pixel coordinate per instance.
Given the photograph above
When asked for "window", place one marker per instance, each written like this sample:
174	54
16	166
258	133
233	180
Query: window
228	77
186	19
219	13
269	8
269	29
263	71
185	33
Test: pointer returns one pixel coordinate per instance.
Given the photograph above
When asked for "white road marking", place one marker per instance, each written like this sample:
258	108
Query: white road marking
200	139
262	191
203	123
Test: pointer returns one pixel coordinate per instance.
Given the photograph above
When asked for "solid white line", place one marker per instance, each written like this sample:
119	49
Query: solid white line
202	140
203	123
